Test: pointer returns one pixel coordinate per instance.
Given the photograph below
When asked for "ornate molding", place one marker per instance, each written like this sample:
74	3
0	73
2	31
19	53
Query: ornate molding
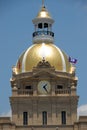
43	64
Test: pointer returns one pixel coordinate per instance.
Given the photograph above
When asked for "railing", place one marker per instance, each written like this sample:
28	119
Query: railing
62	91
25	92
43	33
57	92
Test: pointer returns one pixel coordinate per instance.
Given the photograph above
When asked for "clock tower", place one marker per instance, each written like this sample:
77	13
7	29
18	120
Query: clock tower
44	82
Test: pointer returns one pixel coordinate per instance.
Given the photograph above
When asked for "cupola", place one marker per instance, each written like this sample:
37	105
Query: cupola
43	27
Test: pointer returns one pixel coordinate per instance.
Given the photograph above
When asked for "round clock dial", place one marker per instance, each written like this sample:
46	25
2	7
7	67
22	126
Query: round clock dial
44	87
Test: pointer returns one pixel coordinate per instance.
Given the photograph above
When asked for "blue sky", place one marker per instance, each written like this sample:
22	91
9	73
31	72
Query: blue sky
16	30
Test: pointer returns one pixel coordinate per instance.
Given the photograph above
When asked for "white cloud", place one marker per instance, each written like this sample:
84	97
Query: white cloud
82	110
6	114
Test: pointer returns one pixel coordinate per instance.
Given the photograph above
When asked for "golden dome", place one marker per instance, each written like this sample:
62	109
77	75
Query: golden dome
34	54
43	13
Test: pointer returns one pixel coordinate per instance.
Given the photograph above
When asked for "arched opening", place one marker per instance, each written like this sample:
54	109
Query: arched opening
40	25
28	87
44	117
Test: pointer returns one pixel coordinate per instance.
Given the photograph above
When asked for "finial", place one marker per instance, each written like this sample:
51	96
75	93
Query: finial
42	3
43	59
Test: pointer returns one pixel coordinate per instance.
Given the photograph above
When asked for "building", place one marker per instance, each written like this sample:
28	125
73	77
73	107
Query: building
44	85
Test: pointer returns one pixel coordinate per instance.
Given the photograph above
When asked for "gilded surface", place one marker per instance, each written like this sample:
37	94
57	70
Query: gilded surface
68	64
43	13
31	57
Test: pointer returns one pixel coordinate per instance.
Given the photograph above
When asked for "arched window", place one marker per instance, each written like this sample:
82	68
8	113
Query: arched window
59	87
40	25
45	25
44	117
28	87
63	117
25	118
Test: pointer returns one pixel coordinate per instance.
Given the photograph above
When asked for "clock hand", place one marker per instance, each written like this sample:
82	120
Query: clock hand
45	88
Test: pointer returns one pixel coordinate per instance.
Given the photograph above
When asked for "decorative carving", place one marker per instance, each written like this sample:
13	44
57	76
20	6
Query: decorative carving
43	64
14	70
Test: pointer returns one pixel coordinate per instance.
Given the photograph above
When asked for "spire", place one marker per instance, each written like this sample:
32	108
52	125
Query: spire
42	3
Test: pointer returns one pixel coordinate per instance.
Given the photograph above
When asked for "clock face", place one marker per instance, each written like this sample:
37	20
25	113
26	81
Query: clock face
44	87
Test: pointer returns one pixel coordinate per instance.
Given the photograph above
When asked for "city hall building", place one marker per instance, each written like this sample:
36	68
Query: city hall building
44	85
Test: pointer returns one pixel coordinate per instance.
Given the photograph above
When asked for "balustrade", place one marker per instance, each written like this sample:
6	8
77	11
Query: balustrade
62	91
25	92
57	92
37	33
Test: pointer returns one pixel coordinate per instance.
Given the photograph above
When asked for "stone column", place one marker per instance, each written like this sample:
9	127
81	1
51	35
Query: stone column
35	89
14	90
73	89
53	89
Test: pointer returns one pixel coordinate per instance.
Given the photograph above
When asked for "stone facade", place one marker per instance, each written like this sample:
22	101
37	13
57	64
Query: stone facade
58	100
7	124
45	97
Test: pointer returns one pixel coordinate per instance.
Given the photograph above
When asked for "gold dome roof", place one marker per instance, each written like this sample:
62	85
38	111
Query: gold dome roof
43	13
34	54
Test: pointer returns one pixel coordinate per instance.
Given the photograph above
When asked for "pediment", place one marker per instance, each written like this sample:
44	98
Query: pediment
44	74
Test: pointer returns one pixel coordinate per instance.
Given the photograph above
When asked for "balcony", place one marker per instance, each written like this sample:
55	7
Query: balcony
29	92
62	92
25	92
49	33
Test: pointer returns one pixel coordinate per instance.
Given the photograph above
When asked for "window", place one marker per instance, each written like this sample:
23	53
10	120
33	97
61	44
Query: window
45	25
28	87
63	117
44	116
25	118
59	87
40	25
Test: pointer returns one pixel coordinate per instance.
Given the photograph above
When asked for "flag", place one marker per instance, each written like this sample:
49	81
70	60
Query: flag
19	65
72	60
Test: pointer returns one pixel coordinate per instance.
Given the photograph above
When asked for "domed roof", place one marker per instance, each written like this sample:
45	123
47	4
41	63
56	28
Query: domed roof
43	13
34	54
